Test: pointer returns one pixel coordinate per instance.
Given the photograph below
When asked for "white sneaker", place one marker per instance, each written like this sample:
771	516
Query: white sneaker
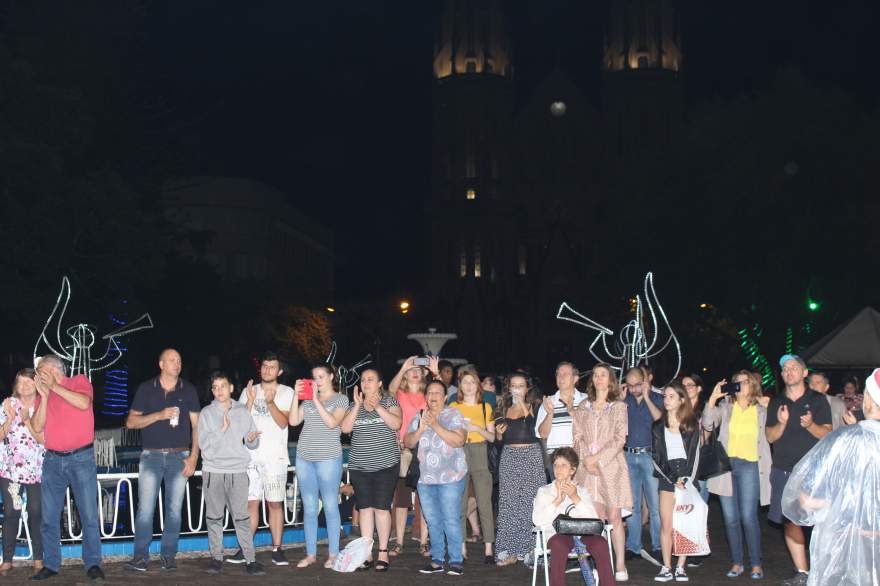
680	575
621	576
664	576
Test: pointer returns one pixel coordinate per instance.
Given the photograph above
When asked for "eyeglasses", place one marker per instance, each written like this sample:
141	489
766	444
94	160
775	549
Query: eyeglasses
689	386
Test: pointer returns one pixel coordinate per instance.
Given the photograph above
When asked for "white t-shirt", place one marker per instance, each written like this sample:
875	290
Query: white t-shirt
674	445
560	433
273	441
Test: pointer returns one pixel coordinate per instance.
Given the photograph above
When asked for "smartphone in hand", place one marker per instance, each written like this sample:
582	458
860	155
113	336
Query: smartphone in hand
308	391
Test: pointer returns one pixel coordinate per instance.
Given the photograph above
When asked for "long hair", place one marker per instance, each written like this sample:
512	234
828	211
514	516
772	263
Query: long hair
334	376
404	384
754	383
613	385
469	370
685	412
532	397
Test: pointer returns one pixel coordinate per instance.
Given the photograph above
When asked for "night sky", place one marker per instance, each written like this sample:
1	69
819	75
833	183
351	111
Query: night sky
331	101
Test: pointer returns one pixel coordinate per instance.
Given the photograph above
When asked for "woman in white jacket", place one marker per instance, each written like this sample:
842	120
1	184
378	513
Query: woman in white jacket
563	496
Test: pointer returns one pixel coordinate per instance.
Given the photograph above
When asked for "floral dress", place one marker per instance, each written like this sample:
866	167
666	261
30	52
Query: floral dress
603	434
21	455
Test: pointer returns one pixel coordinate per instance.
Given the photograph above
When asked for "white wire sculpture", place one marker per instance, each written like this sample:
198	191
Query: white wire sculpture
634	345
348	377
77	353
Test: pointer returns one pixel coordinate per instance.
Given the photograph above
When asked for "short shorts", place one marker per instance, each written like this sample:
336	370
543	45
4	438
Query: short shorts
267	481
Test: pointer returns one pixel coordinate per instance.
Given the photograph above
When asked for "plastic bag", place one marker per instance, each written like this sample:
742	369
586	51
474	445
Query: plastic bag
836	488
689	517
354	555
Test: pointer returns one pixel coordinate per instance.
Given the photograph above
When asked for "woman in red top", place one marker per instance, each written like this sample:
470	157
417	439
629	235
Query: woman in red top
408	387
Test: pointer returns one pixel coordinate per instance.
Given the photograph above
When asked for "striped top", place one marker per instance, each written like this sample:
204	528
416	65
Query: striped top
317	441
373	444
560	432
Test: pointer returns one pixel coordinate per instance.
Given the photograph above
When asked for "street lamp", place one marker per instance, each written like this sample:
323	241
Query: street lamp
404	306
330	309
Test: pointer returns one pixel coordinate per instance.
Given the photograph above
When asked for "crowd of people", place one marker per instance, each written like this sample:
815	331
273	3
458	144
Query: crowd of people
458	450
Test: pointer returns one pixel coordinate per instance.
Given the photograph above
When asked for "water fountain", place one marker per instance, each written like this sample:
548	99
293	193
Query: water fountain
432	343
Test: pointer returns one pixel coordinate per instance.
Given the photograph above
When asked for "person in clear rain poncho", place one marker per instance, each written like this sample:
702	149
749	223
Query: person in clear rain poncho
836	488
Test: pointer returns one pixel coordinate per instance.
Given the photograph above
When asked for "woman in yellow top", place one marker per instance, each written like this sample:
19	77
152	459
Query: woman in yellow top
741	420
481	429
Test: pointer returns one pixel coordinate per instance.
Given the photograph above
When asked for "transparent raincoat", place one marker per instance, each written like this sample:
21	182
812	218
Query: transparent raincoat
836	488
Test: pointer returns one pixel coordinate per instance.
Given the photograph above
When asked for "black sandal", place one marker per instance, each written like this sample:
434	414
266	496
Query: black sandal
365	566
382	566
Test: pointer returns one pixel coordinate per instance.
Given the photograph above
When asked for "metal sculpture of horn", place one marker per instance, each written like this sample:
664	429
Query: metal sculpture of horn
77	352
348	377
637	342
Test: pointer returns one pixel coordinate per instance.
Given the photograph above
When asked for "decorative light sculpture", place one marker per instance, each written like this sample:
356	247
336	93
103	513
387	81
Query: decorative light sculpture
77	352
636	343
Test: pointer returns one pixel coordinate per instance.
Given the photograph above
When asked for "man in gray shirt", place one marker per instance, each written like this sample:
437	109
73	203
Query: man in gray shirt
225	426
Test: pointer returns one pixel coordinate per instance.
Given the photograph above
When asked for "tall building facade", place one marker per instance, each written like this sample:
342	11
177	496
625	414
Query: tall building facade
520	186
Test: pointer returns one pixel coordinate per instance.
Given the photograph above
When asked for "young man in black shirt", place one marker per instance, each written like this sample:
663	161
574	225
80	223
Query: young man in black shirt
797	419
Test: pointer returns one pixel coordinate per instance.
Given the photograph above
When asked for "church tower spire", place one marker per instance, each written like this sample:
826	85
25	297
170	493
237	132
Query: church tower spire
472	38
642	63
643	34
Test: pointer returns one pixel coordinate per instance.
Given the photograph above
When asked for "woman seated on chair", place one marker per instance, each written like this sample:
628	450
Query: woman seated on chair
560	497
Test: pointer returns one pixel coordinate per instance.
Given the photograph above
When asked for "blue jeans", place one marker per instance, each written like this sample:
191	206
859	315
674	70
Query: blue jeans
79	473
641	478
154	468
741	511
441	505
322	477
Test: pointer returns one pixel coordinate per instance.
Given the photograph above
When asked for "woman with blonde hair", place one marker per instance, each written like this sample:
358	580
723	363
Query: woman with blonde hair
481	431
21	463
740	418
408	387
599	432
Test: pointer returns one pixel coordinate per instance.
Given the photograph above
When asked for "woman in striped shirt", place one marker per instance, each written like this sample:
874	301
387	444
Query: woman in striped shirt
374	459
319	458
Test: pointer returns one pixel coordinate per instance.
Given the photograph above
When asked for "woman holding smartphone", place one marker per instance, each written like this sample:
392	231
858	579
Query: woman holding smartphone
319	458
734	409
676	439
408	387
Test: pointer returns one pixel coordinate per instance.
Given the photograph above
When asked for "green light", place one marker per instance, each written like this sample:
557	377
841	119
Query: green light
813	305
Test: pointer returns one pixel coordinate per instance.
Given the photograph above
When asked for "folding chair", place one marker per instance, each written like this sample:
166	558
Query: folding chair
540	550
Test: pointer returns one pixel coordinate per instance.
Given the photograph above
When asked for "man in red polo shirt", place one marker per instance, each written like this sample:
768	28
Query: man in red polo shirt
65	415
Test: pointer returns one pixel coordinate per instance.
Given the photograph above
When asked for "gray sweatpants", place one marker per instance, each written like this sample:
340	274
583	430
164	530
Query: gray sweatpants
227	491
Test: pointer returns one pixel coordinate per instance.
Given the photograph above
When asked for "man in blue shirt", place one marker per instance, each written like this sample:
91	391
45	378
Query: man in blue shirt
643	409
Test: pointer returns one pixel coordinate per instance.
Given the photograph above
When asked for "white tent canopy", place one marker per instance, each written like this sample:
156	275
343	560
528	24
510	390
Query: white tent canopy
853	344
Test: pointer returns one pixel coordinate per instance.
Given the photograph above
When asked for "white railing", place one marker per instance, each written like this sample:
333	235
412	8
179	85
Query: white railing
110	490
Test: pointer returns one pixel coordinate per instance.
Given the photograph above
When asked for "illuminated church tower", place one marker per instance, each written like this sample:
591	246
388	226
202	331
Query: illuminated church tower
474	253
642	65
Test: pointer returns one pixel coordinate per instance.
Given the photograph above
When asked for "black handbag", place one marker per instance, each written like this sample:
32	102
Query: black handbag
565	525
413	472
713	458
493	452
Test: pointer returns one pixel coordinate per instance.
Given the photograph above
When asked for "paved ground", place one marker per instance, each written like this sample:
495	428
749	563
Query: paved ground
404	570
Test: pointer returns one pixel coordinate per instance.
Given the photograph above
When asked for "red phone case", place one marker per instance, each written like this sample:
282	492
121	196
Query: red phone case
308	391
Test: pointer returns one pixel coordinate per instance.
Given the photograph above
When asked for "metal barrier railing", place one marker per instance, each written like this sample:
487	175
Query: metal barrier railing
112	499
